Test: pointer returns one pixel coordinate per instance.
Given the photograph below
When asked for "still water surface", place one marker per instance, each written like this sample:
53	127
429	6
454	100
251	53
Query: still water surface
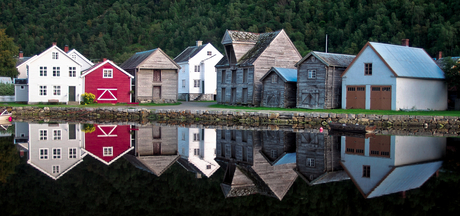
75	169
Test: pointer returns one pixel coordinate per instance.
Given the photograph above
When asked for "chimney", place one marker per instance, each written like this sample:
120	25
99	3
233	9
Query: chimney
104	59
66	48
54	43
199	43
21	55
439	55
405	42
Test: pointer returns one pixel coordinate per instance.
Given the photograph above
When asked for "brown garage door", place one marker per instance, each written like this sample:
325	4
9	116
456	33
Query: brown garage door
381	97
354	145
356	97
380	146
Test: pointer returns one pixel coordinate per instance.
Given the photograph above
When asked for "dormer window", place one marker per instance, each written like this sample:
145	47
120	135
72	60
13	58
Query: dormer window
55	55
107	73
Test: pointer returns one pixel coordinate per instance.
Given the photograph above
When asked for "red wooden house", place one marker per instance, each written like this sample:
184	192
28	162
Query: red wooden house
108	142
108	82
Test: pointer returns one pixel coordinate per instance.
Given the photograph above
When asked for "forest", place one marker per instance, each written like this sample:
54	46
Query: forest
115	29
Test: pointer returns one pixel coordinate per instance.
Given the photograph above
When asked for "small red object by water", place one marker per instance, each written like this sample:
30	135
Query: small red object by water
321	129
10	119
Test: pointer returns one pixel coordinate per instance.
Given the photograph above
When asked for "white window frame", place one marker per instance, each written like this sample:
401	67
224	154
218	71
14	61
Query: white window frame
56	90
209	53
57	153
43	134
72	72
43	153
57	134
56	71
196	83
197	68
311	74
56	169
107	73
196	137
55	55
72	153
311	162
107	151
196	152
42	90
43	71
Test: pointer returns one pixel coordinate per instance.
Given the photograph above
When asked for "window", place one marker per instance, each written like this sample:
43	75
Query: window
209	53
107	151
222	135
183	83
244	136
233	135
56	71
72	71
72	152
74	57
368	69
55	55
56	90
196	137
197	68
55	168
223	76
43	71
310	162
43	134
274	154
274	78
311	74
183	135
157	75
57	135
56	153
43	153
107	73
233	76
196	151
22	87
366	171
361	88
196	83
208	166
245	75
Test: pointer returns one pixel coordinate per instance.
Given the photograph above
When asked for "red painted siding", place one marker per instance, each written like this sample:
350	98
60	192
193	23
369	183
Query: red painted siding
120	81
115	136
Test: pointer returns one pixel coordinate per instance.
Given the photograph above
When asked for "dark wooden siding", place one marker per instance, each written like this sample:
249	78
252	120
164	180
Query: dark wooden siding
236	145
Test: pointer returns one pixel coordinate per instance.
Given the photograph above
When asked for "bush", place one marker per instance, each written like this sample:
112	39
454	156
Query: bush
6	89
88	98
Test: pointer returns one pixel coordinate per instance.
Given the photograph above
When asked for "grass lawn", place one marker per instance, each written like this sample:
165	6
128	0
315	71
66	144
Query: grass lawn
89	105
347	111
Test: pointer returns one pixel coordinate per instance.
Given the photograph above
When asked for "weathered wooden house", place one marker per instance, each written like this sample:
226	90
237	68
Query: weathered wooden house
155	76
393	77
248	56
384	164
318	158
277	145
319	80
279	88
155	149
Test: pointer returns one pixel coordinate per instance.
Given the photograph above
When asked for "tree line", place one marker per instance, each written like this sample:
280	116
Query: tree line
115	29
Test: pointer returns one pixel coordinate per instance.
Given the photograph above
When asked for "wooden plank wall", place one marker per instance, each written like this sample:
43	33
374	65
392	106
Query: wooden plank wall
228	148
144	140
311	92
273	94
239	85
145	83
310	145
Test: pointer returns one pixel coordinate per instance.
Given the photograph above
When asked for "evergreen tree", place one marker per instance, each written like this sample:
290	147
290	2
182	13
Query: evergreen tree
8	51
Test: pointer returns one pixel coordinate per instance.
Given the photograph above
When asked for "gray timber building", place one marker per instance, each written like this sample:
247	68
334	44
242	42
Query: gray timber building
279	88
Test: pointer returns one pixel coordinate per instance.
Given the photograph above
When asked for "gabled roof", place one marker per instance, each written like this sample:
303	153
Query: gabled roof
326	177
232	36
139	57
223	62
440	62
49	49
404	61
96	66
188	53
81	56
286	74
156	165
24	60
329	59
263	41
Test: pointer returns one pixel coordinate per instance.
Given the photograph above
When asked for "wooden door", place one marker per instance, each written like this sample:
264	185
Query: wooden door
380	146
156	148
222	97
233	96
356	97
156	92
245	95
71	93
381	97
354	145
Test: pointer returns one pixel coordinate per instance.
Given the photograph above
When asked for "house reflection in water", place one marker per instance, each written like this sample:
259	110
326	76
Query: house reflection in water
197	148
318	158
248	171
155	148
53	148
108	142
382	165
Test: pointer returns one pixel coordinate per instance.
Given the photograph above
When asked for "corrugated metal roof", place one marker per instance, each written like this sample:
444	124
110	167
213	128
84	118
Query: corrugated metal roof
188	53
405	178
287	74
408	61
136	59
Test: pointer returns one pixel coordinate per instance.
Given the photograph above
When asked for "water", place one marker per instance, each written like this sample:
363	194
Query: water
75	169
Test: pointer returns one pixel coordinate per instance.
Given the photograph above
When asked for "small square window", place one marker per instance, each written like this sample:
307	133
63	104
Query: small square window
55	55
56	71
310	162
43	152
208	166
56	169
56	153
43	134
196	83
57	135
42	90
209	53
56	90
43	71
72	71
72	152
368	69
107	151
107	73
311	74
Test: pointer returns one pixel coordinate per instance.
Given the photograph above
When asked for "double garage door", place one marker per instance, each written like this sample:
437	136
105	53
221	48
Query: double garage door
380	97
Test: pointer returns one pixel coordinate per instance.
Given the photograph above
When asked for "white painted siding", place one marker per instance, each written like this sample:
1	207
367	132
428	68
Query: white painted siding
183	75
421	94
412	149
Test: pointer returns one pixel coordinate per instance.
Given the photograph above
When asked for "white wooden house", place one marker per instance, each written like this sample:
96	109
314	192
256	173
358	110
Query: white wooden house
197	76
198	149
77	56
393	77
383	164
54	149
52	76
